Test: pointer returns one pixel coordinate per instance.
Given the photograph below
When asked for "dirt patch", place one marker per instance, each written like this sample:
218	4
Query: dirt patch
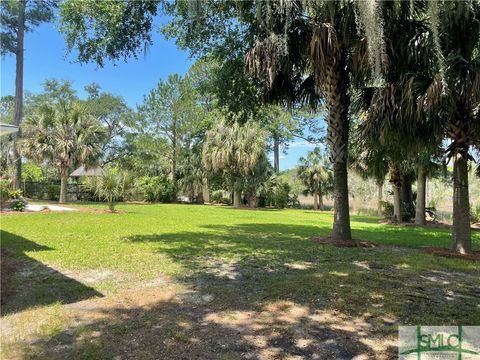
429	225
14	213
474	256
344	243
8	268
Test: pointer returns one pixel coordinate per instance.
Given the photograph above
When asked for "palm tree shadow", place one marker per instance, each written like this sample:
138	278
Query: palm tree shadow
29	283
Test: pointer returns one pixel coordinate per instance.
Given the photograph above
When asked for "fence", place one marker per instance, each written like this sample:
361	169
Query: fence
50	190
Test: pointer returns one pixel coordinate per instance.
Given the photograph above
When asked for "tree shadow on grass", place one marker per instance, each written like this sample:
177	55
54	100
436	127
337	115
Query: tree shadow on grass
193	325
265	291
33	283
272	262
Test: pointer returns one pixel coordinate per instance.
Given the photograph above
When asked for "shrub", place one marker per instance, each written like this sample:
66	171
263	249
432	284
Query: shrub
281	198
387	209
4	191
156	188
15	194
111	186
276	192
218	198
18	204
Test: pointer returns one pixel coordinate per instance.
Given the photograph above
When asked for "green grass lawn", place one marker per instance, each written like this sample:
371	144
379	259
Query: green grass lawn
239	262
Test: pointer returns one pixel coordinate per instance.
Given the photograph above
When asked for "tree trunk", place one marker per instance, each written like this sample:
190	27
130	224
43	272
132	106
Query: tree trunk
63	186
199	199
237	199
206	192
461	232
174	159
396	181
17	180
341	214
252	201
320	201
237	195
315	201
379	196
276	155
397	204
420	203
406	198
338	102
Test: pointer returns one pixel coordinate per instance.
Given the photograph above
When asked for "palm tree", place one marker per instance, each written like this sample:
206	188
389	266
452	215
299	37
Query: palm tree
192	175
451	97
316	176
393	125
234	149
112	186
256	178
311	50
63	134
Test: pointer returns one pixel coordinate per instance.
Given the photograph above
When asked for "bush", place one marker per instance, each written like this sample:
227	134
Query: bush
18	204
218	198
156	188
474	214
112	186
281	197
387	209
276	192
4	191
15	194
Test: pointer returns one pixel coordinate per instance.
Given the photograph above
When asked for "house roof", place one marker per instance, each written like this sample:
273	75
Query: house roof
91	171
7	129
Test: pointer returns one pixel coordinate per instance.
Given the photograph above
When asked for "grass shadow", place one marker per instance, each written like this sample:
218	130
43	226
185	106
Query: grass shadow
34	283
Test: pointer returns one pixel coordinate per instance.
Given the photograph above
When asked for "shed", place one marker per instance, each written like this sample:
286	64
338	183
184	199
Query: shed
84	171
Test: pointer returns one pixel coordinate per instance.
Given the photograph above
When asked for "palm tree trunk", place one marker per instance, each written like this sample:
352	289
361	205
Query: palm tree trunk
406	197
237	198
396	181
199	199
379	196
315	201
397	204
320	201
63	185
237	195
17	180
206	192
252	201
338	102
276	155
461	232
341	222
420	204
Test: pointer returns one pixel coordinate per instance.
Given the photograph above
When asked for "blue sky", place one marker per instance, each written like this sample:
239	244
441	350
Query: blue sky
45	58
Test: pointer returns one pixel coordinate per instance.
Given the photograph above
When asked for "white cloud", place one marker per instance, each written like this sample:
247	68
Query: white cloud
301	144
